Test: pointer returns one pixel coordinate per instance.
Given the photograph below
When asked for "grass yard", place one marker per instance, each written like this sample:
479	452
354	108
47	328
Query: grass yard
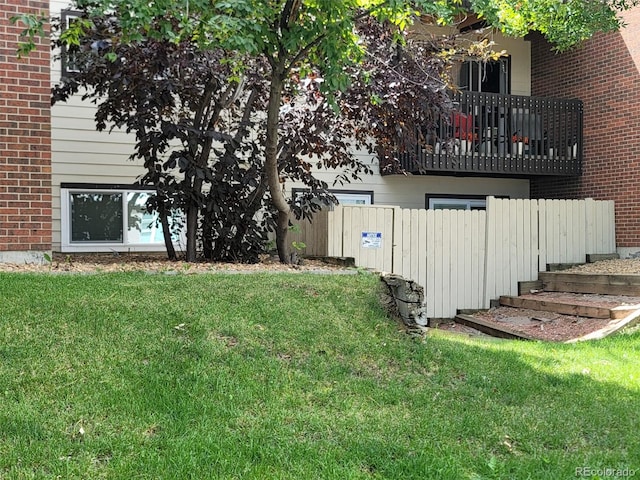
290	376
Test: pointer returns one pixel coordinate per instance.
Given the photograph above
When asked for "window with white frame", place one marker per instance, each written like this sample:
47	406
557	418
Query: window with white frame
345	197
68	57
453	202
354	198
109	219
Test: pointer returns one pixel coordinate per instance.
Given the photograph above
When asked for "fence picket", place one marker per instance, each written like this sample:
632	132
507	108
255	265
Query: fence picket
465	269
422	251
512	269
482	251
476	279
542	235
396	260
525	273
490	265
430	284
389	231
437	311
534	223
347	232
450	268
414	245
406	243
610	227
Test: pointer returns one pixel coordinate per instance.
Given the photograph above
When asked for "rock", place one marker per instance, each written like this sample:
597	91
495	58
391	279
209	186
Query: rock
408	298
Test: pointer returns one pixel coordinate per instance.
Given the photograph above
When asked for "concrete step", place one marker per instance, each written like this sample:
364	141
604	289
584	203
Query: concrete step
592	306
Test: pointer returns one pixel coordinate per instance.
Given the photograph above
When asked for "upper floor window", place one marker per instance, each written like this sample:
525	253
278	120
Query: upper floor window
69	54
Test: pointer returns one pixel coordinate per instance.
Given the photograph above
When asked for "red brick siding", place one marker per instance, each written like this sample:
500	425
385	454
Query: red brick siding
602	73
25	136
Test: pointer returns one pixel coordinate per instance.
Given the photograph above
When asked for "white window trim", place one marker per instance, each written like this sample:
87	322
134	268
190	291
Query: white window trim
344	197
351	197
68	16
68	246
467	202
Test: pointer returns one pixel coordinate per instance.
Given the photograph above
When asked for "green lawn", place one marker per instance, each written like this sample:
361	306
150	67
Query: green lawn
290	376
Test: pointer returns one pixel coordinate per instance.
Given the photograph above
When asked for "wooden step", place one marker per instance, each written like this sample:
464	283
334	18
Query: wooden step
532	286
489	328
590	283
558	267
598	257
577	306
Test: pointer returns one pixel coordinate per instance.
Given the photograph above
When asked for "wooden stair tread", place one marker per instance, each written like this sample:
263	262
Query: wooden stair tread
593	306
491	328
606	284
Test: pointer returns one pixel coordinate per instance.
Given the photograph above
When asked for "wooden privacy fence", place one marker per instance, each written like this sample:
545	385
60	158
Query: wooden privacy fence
465	258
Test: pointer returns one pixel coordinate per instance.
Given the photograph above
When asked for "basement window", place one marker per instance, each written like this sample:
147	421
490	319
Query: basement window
344	197
456	202
109	219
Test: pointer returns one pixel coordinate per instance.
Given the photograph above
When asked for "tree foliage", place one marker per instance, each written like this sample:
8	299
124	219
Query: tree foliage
199	126
254	91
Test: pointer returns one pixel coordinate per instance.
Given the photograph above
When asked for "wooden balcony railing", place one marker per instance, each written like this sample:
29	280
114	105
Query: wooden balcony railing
493	134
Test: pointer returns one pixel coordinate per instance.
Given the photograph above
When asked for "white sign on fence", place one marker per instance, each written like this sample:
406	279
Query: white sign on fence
371	240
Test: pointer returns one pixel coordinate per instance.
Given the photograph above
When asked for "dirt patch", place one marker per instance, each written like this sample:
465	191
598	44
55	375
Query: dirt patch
548	326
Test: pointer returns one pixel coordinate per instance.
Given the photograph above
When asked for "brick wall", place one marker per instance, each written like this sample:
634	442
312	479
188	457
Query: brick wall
605	74
25	138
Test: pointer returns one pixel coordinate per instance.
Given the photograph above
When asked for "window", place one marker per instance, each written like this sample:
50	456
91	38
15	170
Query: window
353	198
68	55
345	197
105	218
96	217
456	202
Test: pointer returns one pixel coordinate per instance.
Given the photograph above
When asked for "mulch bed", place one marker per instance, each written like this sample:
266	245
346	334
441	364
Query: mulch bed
158	263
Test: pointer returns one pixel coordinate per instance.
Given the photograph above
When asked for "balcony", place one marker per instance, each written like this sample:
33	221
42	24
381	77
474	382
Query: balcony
502	135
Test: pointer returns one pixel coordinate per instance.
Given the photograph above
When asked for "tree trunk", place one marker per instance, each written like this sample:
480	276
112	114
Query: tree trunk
282	233
166	230
192	230
193	210
271	163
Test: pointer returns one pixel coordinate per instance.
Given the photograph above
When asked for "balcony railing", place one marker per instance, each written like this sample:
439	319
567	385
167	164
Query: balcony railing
493	134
